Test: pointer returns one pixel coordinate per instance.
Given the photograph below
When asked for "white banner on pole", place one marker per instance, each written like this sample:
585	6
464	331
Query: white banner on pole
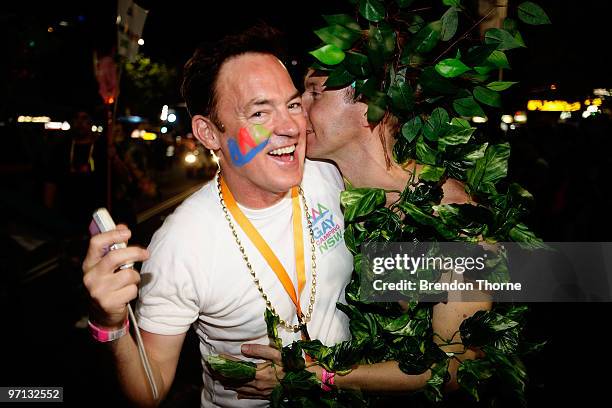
130	22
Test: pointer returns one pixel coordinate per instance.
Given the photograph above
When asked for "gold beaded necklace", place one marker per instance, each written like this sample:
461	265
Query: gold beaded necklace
250	230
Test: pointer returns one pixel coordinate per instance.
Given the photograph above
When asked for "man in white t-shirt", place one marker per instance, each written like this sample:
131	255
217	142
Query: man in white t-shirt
244	242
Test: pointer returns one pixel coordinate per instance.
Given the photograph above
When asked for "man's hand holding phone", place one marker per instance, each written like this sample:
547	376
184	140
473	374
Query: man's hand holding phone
111	288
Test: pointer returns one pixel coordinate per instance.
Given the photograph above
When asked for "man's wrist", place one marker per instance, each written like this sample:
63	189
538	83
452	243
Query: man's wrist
104	321
328	380
103	334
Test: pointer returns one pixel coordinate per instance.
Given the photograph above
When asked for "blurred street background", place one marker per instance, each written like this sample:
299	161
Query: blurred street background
75	136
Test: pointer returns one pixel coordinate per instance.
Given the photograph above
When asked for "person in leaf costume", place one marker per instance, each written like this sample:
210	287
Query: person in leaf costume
390	98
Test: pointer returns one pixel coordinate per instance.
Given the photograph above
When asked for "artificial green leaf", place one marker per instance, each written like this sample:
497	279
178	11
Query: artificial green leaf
317	66
338	35
451	67
511	371
519	39
427	38
343	20
402	96
357	64
411	129
450	22
484	327
530	348
436	125
292	357
439	375
518	196
492	167
240	371
483	70
415	355
431	173
372	10
408	324
487	96
272	321
468	107
432	82
424	153
337	358
316	349
533	14
457	135
369	87
276	398
510	25
403	151
358	202
471	373
404	3
329	54
498	59
349	238
478	54
460	123
470	219
377	107
454	3
415	23
302	380
521	233
500	85
339	78
381	44
502	39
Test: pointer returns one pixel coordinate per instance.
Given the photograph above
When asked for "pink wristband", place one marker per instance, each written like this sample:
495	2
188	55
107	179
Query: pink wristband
103	335
327	380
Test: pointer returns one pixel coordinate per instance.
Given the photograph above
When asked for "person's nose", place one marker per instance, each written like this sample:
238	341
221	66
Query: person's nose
289	125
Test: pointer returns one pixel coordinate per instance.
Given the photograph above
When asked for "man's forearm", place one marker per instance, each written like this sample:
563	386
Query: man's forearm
383	377
131	374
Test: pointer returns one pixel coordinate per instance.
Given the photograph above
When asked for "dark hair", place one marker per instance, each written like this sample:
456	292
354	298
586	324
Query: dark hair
202	69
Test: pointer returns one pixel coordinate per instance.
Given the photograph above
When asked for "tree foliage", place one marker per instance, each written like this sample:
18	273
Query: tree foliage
146	86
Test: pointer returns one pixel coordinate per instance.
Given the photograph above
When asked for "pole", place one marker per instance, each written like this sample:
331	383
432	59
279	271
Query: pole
111	116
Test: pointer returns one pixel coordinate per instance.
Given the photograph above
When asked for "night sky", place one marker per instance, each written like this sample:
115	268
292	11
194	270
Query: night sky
56	69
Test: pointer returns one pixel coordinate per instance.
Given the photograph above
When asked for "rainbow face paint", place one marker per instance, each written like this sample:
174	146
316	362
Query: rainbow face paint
248	144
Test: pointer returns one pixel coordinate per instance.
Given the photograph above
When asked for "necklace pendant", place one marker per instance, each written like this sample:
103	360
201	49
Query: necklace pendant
304	329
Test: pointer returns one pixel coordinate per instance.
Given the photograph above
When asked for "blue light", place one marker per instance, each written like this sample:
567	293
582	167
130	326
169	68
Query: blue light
131	119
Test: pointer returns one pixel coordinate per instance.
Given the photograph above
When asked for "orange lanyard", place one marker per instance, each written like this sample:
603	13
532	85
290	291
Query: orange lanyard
265	250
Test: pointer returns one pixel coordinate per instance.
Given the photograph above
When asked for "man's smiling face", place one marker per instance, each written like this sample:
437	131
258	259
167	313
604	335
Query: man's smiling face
264	126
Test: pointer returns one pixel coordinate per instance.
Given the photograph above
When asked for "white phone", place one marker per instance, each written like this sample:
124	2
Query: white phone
103	222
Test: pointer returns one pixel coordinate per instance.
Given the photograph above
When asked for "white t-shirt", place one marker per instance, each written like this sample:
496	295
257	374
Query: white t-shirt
196	274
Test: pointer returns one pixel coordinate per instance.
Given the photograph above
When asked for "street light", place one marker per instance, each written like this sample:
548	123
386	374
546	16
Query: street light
164	113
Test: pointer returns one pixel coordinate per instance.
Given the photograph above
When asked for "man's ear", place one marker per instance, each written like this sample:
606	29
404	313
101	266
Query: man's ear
206	132
363	114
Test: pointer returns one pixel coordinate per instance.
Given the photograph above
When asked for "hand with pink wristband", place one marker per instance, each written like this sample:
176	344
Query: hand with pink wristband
110	287
328	380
